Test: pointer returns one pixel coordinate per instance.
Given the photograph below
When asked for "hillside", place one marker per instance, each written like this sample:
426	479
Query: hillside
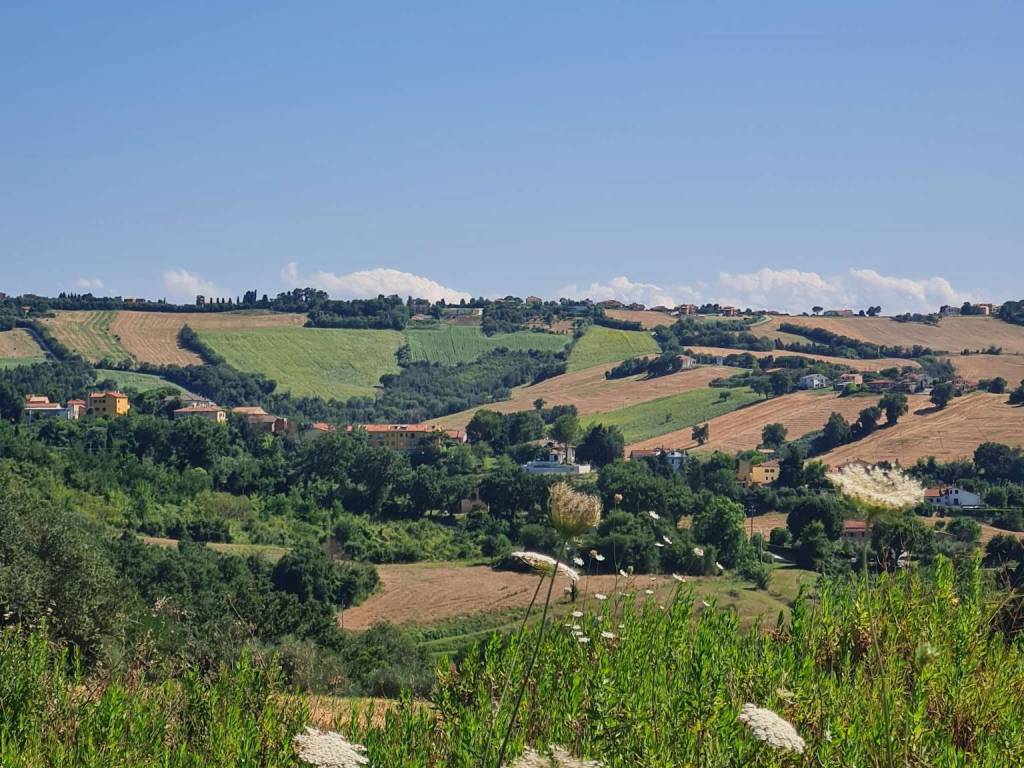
606	345
323	362
801	413
952	334
452	344
949	434
646	318
591	392
668	414
89	334
977	367
18	347
879	364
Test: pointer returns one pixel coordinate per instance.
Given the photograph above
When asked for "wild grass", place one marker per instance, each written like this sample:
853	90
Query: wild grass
323	362
453	344
88	333
141	382
667	414
608	345
12	362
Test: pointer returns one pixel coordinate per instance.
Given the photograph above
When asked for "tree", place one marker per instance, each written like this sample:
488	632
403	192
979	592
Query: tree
488	427
965	529
601	445
719	522
791	469
816	309
566	430
874	311
813	549
701	433
1017	396
836	432
867	421
829	511
895	405
773	435
941	394
539	404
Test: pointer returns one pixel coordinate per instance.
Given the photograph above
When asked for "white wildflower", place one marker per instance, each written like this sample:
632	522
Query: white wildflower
577	614
600	596
572	513
648	591
720	567
658	544
327	749
666	539
623	574
608	635
771	729
544	564
559	758
599	557
677	577
577	561
698	552
705	603
582	640
875	485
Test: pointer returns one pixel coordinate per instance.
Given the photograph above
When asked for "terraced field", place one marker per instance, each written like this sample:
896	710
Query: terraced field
952	334
606	345
323	362
800	412
591	392
669	414
19	347
952	433
88	333
152	337
452	344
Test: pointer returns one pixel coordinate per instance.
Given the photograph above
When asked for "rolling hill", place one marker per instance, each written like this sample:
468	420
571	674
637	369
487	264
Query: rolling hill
452	344
19	347
606	345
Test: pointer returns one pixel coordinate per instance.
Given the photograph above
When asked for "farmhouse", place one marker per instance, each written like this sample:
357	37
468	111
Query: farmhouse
259	420
541	467
758	474
39	406
987	309
952	497
611	304
211	412
849	380
855	530
675	459
881	385
686	362
947	310
685	310
534	300
109	403
407	438
453	312
729	312
814	381
317	429
838	313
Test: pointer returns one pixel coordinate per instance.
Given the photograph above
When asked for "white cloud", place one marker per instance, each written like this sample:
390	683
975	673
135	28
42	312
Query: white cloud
790	290
182	284
369	283
89	283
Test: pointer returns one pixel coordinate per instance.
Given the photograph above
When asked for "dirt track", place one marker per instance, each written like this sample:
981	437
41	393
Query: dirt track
800	413
591	392
949	434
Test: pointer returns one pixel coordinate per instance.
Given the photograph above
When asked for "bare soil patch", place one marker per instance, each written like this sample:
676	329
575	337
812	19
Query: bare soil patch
152	337
952	433
952	334
591	392
800	413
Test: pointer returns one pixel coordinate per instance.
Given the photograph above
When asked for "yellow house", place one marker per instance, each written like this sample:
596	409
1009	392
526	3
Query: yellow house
759	474
108	403
407	437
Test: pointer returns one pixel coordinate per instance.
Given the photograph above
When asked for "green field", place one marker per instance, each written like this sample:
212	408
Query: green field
607	345
140	382
13	362
88	333
667	414
324	362
452	344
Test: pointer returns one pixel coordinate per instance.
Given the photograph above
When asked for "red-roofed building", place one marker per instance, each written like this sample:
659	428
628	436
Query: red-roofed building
408	438
211	412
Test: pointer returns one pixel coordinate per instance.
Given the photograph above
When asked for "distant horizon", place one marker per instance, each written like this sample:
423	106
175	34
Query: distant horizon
754	155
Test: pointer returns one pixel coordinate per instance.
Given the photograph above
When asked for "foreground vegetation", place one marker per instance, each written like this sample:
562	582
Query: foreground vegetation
909	669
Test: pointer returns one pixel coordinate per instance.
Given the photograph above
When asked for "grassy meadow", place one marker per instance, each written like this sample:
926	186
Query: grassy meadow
667	414
324	362
13	362
608	345
452	344
88	333
140	382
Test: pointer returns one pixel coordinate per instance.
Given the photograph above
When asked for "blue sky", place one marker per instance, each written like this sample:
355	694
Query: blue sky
766	153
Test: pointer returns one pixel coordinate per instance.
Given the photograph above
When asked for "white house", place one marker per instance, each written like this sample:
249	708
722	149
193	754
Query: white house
814	381
953	497
555	468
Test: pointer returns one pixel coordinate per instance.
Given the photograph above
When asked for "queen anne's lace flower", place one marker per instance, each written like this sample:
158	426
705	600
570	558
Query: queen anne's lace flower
875	485
559	758
771	729
327	749
572	513
545	564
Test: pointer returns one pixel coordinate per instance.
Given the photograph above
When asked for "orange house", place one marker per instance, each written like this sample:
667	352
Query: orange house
109	403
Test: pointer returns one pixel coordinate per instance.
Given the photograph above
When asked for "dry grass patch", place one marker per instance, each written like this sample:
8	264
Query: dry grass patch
800	413
977	367
19	343
952	433
152	337
592	393
89	333
646	318
879	364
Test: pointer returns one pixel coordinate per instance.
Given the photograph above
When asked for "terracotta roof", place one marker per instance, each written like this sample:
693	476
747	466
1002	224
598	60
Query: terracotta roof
109	393
378	428
43	407
249	410
322	426
932	493
199	409
36	399
854	526
76	402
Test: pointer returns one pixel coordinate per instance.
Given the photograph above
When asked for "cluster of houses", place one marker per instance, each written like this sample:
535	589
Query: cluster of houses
910	383
985	309
680	310
560	460
107	403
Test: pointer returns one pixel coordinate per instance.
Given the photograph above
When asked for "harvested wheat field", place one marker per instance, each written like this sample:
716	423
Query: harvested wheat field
19	344
978	367
88	333
952	334
646	318
800	413
591	392
952	433
879	364
152	337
